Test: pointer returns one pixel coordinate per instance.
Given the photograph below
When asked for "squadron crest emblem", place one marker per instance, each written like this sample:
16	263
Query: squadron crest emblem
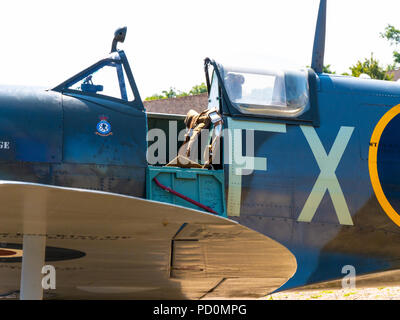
103	127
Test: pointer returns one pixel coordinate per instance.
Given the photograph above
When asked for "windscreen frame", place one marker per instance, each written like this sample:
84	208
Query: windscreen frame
311	116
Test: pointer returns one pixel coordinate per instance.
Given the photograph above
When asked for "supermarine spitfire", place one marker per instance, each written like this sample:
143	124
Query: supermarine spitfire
301	179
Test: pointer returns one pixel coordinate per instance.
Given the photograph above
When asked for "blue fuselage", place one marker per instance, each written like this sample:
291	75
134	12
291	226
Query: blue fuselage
314	195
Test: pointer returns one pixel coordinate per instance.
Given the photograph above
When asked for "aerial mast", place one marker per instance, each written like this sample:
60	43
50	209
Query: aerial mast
317	62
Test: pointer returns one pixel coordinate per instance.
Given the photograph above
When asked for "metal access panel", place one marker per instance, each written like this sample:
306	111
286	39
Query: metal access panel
202	185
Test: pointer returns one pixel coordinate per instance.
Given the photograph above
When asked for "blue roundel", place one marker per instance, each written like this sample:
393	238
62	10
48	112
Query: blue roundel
103	127
387	162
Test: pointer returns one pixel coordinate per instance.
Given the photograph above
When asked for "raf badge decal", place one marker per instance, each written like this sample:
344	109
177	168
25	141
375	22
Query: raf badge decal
103	127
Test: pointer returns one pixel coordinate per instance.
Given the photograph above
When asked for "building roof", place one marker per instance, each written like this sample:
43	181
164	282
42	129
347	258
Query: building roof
396	74
178	105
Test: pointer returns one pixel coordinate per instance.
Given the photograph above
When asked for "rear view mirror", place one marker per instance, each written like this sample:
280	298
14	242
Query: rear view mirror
119	36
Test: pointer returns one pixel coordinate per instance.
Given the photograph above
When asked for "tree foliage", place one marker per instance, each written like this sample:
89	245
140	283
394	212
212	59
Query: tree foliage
393	36
327	69
370	67
199	89
173	93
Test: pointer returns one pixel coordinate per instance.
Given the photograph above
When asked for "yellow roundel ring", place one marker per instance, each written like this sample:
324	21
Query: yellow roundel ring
372	164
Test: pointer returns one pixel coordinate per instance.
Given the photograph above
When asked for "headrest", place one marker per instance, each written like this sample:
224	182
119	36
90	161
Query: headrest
189	117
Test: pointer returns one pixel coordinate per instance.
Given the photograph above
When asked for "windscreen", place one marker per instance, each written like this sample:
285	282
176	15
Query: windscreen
108	79
267	92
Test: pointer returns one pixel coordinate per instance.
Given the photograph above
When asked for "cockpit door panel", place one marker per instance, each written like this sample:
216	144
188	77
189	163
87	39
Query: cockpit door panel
97	131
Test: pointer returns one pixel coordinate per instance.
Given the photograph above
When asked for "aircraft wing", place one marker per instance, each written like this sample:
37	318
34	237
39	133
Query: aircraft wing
109	246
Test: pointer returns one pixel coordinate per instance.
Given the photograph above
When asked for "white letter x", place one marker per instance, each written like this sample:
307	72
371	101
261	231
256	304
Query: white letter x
327	179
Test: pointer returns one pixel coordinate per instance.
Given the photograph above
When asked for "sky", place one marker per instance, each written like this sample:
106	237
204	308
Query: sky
46	42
